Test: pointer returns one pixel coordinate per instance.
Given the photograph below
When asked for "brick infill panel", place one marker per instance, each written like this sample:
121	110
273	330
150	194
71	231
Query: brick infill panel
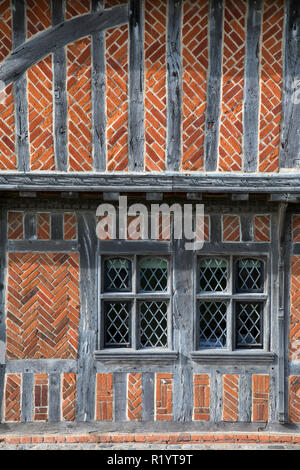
157	438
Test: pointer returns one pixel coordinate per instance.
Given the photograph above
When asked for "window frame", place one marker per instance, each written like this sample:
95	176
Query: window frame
232	296
135	297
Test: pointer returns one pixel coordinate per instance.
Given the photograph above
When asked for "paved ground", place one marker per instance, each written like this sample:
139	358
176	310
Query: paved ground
139	448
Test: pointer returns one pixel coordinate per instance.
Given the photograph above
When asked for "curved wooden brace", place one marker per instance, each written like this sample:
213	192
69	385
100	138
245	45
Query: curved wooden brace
30	52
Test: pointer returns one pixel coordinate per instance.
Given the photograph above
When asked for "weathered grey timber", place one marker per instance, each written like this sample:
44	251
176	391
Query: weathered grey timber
30	226
182	331
57	231
20	89
15	366
98	94
286	185
247	227
120	394
3	255
284	305
251	86
136	86
54	397
27	397
42	245
214	85
174	76
53	39
148	396
85	393
290	136
60	94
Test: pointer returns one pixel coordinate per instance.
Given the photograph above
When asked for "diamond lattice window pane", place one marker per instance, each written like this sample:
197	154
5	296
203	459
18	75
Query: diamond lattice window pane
153	275
117	318
117	274
153	324
213	275
212	324
249	324
249	275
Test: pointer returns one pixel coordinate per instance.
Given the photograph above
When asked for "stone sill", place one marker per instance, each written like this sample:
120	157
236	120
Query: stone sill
169	356
233	357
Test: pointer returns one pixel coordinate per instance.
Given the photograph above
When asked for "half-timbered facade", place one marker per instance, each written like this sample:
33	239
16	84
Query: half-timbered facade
150	102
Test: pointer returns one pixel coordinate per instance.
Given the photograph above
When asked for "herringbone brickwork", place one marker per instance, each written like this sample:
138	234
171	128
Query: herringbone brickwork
294	345
202	397
155	84
15	225
8	160
262	227
134	397
294	398
77	7
164	397
203	229
13	397
271	85
41	400
104	397
230	397
43	226
38	15
116	55
296	228
195	66
42	305
231	228
260	397
40	115
70	226
231	125
5	29
68	404
79	72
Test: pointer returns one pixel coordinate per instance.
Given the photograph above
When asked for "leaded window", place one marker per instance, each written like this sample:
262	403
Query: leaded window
135	302
231	301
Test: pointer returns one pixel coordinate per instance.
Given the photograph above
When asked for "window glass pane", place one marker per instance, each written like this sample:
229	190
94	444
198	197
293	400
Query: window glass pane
153	274
249	275
116	320
153	324
212	324
249	324
117	274
213	275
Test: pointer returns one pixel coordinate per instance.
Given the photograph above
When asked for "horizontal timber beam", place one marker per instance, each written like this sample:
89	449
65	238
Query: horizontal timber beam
167	182
53	39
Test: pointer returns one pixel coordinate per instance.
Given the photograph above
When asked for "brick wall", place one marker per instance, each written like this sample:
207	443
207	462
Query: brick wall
195	63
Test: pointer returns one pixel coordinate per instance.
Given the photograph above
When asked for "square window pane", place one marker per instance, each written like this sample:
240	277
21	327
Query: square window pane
249	324
117	323
153	324
117	274
212	324
153	275
249	275
212	275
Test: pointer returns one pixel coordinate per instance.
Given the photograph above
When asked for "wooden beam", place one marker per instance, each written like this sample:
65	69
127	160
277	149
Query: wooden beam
136	86
290	137
214	85
98	94
174	85
60	94
53	39
20	89
288	184
252	89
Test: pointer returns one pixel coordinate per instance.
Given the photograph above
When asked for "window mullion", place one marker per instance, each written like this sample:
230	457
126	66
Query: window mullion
134	319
